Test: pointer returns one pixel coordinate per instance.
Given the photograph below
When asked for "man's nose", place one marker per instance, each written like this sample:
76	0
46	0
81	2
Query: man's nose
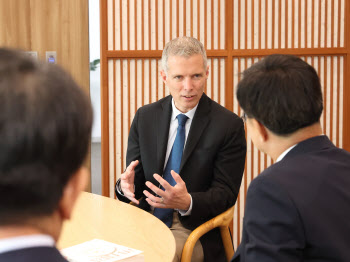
188	83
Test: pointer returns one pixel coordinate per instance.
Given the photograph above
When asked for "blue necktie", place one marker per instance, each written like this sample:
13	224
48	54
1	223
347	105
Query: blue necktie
174	161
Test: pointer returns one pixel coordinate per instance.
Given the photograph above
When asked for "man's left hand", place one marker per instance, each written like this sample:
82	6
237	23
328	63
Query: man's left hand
174	197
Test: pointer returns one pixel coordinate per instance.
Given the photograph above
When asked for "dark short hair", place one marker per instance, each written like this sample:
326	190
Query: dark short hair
282	92
45	129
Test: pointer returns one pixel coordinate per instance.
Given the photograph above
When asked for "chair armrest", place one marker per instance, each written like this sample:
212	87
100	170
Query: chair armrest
223	220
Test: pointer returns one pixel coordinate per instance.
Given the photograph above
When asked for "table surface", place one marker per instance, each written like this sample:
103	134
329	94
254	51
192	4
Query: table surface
109	219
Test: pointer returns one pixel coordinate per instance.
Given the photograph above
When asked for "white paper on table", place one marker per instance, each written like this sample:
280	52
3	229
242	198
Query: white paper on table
98	250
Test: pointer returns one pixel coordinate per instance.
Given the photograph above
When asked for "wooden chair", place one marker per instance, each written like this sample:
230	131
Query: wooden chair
223	221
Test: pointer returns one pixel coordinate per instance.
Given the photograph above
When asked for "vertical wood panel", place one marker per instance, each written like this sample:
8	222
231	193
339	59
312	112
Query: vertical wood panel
16	27
205	16
229	61
111	129
288	23
346	116
52	26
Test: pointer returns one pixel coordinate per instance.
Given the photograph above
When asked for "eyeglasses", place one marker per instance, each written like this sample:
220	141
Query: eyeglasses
244	117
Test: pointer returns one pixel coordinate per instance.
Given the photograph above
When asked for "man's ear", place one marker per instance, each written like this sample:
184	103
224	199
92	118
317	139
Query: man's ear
163	75
261	130
71	191
207	72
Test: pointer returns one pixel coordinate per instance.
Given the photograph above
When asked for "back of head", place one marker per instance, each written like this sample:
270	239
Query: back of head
183	46
282	92
45	127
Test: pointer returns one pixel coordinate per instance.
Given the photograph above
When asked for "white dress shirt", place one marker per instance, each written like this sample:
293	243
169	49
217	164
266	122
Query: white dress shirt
28	241
174	125
172	135
171	139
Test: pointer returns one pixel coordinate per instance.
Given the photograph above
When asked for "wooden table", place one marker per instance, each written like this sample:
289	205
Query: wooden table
105	218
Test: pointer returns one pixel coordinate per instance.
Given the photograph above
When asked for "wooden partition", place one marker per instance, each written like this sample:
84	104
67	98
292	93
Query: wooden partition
236	34
50	25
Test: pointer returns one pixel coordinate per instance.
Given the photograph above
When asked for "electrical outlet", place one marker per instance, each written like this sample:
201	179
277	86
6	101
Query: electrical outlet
51	57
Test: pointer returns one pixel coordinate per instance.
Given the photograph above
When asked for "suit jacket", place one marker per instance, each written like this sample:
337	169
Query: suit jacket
299	208
212	163
34	254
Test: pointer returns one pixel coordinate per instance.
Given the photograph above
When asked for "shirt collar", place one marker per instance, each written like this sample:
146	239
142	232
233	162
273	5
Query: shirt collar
281	156
176	111
21	242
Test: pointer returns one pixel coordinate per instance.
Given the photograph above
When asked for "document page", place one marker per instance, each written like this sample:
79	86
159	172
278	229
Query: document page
98	250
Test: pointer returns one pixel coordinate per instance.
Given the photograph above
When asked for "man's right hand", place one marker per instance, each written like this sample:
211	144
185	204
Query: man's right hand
127	182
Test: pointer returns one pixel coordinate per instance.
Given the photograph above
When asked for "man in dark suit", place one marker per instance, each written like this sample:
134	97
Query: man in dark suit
299	208
45	127
210	166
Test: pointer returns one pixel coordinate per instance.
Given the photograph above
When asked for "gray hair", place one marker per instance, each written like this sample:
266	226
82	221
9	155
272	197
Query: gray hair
183	46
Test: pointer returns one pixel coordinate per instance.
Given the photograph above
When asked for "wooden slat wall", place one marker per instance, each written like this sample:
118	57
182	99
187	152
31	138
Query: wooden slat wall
236	34
149	24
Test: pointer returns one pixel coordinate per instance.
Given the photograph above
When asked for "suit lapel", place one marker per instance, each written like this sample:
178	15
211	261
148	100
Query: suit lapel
199	122
163	116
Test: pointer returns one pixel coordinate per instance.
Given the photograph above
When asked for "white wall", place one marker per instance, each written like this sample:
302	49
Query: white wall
94	39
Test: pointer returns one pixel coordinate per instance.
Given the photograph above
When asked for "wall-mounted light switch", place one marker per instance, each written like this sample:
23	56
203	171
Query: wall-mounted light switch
33	54
51	57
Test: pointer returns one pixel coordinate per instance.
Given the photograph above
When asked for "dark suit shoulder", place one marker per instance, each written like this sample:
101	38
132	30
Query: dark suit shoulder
166	101
271	223
34	254
313	158
218	109
310	184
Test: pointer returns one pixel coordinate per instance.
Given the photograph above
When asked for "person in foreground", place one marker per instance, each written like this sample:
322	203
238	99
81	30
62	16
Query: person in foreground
45	126
298	209
186	153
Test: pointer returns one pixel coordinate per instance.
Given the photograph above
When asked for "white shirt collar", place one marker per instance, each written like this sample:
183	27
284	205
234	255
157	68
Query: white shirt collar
176	111
21	242
281	156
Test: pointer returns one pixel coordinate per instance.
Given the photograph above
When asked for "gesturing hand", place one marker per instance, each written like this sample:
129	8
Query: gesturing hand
174	197
127	182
